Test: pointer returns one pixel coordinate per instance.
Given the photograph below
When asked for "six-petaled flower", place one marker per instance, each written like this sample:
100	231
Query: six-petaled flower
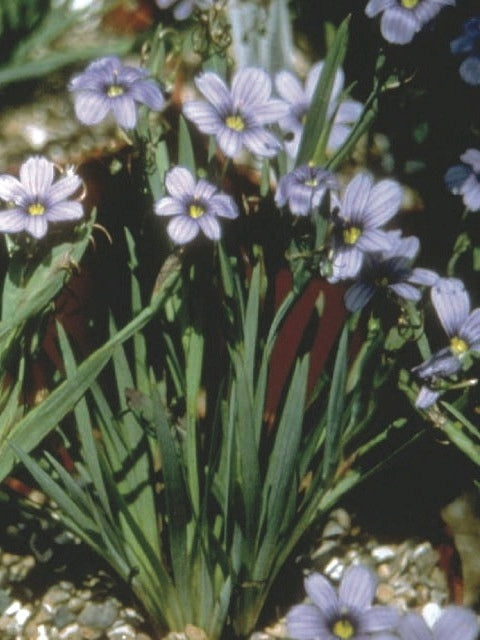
107	85
303	189
402	19
344	112
464	179
194	206
238	117
364	209
37	199
469	45
346	615
462	326
390	271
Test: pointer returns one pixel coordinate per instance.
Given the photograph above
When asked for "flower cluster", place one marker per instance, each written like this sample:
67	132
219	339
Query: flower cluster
37	199
303	189
107	86
350	614
403	19
469	45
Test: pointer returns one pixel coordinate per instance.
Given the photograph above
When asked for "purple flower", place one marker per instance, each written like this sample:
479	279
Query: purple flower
462	326
36	199
303	189
299	97
390	271
107	85
237	117
464	179
194	205
402	19
348	615
184	8
455	623
365	208
469	44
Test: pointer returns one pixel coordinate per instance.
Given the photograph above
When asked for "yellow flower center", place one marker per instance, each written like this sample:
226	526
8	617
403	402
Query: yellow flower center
36	209
351	235
409	4
195	211
458	346
115	90
235	122
311	182
343	629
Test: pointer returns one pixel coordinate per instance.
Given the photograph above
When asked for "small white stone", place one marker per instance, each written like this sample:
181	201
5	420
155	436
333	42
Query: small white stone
383	553
12	609
22	616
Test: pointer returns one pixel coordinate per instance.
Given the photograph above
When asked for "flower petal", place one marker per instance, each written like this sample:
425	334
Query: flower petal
261	142
346	263
289	87
125	111
183	9
210	227
399	25
357	588
11	190
374	7
424	277
456	623
470	70
374	240
426	397
215	91
91	108
147	92
321	593
36	226
472	157
406	291
456	176
230	141
204	115
168	206
250	87
36	175
305	622
12	220
378	618
413	627
358	296
442	364
224	206
63	188
452	304
270	112
182	229
65	210
180	183
356	197
383	203
470	330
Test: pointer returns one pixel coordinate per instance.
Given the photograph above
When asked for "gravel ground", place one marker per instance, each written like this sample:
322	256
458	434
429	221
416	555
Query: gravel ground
55	592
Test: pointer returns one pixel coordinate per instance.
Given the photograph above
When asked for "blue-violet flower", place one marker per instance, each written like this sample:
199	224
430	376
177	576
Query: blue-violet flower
345	113
462	326
464	179
469	44
364	209
455	623
36	199
390	271
108	85
237	117
194	205
402	19
303	189
348	615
